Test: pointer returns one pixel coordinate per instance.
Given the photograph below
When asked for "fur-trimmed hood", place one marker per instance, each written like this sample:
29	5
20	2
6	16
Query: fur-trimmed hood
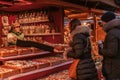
81	29
115	23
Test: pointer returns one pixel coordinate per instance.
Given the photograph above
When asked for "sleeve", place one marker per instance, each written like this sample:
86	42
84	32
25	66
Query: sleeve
110	47
41	46
78	47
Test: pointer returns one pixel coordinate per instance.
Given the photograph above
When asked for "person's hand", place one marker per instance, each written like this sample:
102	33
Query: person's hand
100	44
97	56
65	53
58	48
55	51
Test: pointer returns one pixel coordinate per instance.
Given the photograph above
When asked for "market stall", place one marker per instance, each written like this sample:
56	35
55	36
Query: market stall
43	21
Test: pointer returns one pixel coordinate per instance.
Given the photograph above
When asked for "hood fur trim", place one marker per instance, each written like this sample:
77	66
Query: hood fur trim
112	24
81	29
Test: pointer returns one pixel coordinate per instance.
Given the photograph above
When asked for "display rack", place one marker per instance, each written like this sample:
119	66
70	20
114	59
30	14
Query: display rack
35	28
43	21
40	73
23	56
36	73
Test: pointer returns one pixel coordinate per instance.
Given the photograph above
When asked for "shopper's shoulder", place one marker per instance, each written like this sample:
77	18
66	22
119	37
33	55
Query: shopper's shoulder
79	36
114	33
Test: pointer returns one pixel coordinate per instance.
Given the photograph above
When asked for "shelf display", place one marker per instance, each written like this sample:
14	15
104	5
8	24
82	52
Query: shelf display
26	66
33	29
23	65
62	75
6	52
36	63
51	60
40	73
24	56
41	64
7	72
5	21
32	17
34	24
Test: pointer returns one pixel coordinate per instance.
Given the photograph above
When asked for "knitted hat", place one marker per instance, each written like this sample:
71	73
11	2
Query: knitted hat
108	16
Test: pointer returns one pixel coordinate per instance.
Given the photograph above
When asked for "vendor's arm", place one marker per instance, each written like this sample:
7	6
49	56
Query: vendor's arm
23	43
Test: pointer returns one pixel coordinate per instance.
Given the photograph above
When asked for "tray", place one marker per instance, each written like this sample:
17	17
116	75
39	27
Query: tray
8	74
39	66
27	69
8	53
55	62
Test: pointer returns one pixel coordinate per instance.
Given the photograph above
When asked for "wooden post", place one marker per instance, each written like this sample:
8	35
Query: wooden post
95	26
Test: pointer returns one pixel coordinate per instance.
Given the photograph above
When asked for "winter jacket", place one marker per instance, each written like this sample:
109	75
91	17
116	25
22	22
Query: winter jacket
111	50
86	67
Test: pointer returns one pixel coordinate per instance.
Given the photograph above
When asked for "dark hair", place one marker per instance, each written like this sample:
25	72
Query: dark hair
74	23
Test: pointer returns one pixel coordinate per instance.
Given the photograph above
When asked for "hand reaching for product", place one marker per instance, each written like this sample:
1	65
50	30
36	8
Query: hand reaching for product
58	48
65	53
100	44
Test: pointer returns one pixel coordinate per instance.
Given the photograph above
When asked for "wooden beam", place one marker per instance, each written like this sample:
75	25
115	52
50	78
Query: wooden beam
71	11
97	11
63	4
67	12
6	3
108	2
80	15
26	2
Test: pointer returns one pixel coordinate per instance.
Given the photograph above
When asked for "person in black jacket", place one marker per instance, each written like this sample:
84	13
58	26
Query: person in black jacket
80	48
110	50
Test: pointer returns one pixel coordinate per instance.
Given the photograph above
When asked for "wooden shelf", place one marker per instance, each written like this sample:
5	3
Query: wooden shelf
42	21
23	56
43	34
40	34
40	73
